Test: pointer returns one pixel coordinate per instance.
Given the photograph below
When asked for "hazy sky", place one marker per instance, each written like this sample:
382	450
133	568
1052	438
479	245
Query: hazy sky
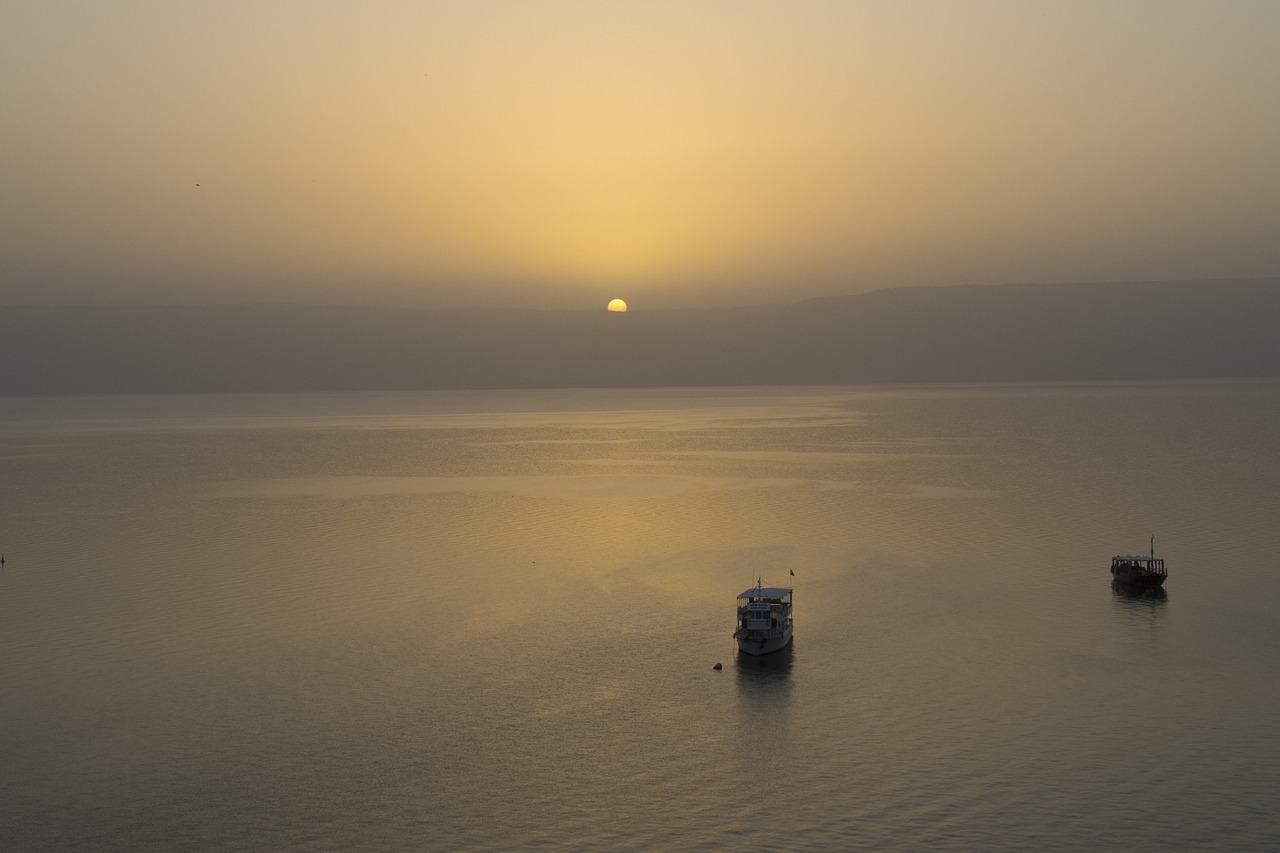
558	154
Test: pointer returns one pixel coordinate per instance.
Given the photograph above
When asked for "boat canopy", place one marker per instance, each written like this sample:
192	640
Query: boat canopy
1144	558
772	593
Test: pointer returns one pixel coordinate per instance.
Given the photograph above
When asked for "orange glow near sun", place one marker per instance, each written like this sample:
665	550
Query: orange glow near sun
617	305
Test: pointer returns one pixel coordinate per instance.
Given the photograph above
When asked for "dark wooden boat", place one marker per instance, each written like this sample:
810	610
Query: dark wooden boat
1141	572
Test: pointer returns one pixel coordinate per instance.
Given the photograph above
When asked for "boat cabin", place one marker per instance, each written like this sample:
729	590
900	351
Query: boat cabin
764	611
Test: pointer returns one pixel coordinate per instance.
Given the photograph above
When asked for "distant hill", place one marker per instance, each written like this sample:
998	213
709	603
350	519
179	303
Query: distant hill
1150	330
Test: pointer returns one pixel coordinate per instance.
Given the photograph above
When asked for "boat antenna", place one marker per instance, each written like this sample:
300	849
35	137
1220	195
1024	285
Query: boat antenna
1153	546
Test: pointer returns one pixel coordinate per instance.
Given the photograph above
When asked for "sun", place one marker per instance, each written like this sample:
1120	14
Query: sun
617	305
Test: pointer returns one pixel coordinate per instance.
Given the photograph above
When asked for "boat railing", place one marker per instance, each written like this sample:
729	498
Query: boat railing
1154	565
760	633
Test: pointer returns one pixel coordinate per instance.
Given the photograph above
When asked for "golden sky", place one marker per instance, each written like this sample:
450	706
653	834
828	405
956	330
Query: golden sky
557	154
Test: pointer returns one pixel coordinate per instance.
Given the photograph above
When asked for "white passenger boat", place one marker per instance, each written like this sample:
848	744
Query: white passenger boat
764	619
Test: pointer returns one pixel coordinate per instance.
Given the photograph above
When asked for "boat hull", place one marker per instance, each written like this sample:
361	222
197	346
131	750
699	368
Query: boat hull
763	645
1140	580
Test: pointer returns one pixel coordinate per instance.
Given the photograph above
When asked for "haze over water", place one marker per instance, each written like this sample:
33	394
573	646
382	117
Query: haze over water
488	620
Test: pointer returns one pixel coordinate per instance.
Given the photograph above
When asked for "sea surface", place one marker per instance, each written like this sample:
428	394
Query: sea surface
488	620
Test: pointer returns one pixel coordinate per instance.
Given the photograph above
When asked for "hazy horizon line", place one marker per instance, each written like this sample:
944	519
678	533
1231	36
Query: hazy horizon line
636	306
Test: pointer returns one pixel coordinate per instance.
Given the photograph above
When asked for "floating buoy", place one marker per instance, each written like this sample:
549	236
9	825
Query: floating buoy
718	666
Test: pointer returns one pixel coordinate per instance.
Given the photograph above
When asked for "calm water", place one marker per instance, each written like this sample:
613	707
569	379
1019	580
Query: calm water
488	620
